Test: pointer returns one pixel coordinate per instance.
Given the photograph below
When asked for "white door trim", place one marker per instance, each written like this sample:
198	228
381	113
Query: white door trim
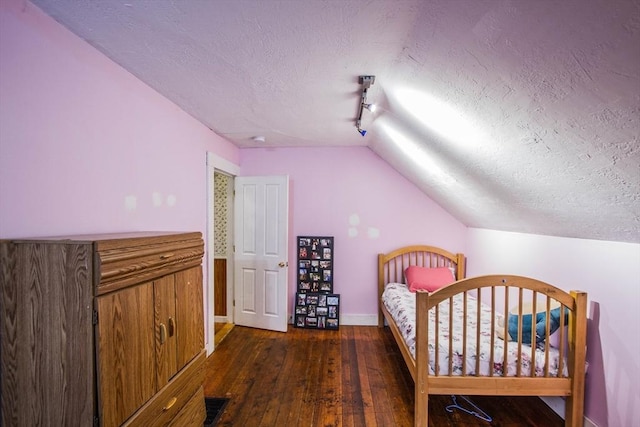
213	162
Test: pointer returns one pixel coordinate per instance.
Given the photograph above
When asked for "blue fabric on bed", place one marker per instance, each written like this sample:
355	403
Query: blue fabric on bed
541	325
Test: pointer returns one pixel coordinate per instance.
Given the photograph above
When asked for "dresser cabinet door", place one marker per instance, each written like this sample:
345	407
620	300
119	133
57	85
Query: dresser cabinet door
189	314
125	352
165	320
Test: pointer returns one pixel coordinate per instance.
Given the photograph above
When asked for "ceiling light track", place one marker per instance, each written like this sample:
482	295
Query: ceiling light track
366	82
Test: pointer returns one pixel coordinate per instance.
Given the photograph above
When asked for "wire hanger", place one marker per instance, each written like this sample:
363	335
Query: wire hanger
475	411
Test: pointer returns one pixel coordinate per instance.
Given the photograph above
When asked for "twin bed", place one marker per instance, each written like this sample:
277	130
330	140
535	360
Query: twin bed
452	339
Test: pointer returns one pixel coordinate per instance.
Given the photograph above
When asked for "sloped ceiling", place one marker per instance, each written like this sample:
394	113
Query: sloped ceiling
513	115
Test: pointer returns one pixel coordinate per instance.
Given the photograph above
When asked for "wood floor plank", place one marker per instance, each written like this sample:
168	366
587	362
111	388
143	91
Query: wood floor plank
352	411
330	387
361	355
252	362
363	378
296	379
312	374
382	385
285	397
395	375
353	377
237	345
266	405
378	385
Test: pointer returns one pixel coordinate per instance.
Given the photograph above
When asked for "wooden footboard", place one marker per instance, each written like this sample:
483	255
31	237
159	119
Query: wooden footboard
499	294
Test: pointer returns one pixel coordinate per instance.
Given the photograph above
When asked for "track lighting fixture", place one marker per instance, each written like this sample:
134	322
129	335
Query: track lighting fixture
366	82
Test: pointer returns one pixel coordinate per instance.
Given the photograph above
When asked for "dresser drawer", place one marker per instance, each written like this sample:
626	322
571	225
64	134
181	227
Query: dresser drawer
163	408
125	262
194	412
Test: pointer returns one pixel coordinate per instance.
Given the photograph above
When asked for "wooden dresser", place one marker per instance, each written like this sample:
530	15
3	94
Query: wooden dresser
102	330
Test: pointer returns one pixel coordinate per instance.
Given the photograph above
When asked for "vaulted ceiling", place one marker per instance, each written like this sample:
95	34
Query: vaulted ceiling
513	115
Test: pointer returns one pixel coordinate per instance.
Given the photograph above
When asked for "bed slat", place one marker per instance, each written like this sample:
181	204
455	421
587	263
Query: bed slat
464	321
563	350
437	338
520	323
534	338
493	328
478	321
547	333
450	339
506	327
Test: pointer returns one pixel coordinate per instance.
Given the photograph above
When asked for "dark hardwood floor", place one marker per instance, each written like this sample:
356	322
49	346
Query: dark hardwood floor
351	377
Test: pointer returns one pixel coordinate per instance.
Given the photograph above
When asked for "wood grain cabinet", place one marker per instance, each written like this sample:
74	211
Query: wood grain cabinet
102	330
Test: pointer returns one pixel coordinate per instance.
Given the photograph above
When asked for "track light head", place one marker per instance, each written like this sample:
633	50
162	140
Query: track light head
362	132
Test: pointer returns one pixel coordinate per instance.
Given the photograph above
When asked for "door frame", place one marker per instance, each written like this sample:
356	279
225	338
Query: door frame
214	162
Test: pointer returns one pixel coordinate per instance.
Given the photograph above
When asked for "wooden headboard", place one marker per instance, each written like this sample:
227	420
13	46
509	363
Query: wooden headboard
391	265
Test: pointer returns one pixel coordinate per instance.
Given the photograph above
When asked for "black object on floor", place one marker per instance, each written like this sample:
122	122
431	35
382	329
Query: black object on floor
215	407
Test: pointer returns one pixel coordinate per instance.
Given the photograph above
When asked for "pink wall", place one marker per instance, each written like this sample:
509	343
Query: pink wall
610	273
330	185
81	138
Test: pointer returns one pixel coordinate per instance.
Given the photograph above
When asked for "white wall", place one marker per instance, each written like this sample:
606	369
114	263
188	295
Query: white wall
610	273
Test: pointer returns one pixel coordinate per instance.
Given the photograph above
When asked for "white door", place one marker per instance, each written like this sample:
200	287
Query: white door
260	258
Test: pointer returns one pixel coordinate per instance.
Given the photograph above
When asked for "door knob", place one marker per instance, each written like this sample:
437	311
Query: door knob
283	264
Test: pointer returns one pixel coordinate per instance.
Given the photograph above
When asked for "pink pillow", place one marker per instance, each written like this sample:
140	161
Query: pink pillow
428	279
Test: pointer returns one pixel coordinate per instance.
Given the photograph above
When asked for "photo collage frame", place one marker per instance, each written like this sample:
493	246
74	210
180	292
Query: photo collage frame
315	264
317	311
316	305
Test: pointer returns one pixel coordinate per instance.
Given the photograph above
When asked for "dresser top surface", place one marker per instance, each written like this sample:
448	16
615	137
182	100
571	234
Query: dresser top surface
110	237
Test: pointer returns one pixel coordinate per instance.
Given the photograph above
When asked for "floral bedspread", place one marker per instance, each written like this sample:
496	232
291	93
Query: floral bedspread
401	303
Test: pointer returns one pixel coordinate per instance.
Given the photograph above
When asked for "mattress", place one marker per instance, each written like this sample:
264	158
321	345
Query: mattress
401	304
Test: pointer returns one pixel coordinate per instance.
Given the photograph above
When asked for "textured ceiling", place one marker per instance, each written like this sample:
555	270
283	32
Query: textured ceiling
513	115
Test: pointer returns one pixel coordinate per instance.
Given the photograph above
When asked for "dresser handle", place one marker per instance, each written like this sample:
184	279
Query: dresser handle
163	333
166	256
172	326
170	403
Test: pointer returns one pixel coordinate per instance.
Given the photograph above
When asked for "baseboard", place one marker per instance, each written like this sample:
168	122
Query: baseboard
359	320
221	319
557	405
589	423
351	320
